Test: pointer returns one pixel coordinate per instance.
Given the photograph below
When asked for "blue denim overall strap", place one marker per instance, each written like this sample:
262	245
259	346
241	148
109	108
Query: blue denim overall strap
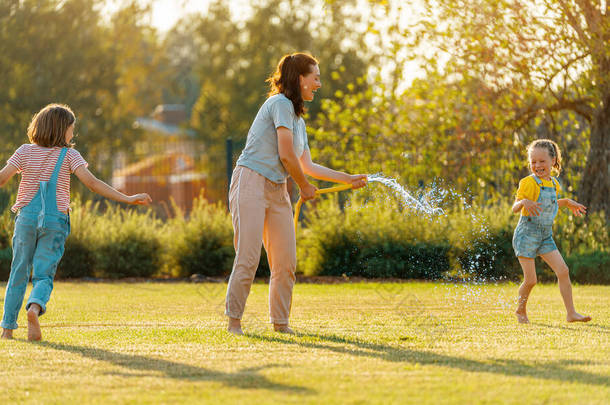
534	233
549	205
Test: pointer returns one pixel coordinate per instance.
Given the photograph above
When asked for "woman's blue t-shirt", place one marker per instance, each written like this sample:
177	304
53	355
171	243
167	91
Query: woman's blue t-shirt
261	151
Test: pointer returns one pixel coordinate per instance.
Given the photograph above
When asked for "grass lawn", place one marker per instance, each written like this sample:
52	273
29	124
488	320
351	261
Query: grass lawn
358	343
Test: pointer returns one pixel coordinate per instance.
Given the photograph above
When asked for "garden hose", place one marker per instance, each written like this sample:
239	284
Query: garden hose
297	208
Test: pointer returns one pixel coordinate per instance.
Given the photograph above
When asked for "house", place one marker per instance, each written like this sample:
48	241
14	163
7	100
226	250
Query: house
168	165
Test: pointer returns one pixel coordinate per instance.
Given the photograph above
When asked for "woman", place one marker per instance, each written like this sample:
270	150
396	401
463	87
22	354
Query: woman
276	147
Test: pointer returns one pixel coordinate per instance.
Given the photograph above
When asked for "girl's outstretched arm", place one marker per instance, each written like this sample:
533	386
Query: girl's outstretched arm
532	207
97	186
6	173
576	208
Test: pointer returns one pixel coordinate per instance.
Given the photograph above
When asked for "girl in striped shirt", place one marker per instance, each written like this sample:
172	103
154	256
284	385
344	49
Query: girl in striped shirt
43	206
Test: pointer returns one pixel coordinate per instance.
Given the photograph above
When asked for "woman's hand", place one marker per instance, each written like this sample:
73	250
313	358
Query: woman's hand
532	207
139	199
577	209
308	191
358	180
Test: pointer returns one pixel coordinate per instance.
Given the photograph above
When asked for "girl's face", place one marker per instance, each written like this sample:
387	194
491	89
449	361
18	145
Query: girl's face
541	163
69	133
310	83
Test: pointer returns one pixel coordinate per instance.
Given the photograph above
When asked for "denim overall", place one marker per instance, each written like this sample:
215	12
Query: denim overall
38	243
534	234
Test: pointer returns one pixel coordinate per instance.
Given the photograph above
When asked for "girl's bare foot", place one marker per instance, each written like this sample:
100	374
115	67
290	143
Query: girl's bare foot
283	329
576	317
7	333
34	332
234	327
522	317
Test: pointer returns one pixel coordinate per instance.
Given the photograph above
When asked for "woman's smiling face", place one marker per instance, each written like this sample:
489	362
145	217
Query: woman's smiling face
310	83
541	163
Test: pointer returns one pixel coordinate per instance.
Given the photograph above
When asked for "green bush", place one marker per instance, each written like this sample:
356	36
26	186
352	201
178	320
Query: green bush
590	268
371	240
6	251
491	257
584	242
7	225
202	243
127	243
79	256
405	260
374	238
6	257
581	234
7	199
263	269
481	238
78	260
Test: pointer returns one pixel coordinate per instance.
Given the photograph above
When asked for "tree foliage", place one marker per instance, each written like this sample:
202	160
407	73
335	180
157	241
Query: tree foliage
551	61
495	75
64	51
234	57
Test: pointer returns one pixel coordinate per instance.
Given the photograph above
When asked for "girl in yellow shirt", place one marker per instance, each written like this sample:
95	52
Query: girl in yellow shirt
538	201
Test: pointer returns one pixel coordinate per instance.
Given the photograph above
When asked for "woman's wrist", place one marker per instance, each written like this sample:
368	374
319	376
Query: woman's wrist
347	178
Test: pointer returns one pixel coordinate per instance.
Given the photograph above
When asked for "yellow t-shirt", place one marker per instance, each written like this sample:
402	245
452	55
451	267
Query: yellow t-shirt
528	188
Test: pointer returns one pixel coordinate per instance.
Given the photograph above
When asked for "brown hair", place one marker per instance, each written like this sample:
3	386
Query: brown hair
551	147
285	79
49	125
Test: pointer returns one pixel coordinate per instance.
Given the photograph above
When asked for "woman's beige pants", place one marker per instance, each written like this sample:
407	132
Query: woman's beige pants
262	214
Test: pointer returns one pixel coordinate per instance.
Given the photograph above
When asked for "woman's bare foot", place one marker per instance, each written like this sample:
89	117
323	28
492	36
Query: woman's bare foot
283	329
576	317
522	317
7	333
34	332
234	327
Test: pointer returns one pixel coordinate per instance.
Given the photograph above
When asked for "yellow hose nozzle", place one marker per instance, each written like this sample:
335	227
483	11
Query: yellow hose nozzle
297	208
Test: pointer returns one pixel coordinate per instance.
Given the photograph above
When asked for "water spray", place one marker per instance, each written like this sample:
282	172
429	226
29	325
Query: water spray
408	199
470	289
412	202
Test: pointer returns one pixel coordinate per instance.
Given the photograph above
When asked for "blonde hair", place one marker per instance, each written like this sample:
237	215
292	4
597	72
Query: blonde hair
49	125
551	148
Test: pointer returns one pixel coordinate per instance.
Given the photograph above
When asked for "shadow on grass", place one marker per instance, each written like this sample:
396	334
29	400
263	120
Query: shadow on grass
552	370
247	378
576	326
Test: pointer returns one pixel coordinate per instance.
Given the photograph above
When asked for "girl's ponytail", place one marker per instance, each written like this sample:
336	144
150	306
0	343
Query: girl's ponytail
557	165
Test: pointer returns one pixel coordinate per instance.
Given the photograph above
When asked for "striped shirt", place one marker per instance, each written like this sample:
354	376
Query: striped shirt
36	164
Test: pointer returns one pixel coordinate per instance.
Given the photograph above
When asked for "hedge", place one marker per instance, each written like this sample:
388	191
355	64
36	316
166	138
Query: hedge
373	238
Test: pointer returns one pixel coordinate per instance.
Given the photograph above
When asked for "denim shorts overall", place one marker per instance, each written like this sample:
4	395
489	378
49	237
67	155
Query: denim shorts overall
38	245
534	234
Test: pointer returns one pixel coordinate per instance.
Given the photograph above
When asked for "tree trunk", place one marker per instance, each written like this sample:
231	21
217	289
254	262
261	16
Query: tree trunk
595	186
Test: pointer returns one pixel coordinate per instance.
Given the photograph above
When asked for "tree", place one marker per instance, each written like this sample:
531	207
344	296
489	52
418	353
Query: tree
546	57
235	57
51	51
64	51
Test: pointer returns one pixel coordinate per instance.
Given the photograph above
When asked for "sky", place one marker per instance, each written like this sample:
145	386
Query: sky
165	13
